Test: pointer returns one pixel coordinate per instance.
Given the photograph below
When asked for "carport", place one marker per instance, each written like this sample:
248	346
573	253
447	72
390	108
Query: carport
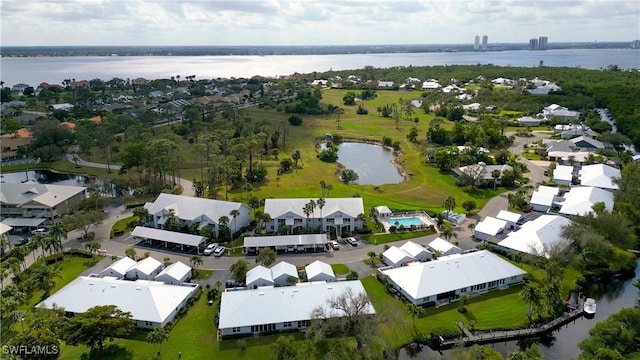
165	238
23	223
285	243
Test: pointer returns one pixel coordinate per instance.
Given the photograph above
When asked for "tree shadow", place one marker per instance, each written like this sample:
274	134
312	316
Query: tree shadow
111	351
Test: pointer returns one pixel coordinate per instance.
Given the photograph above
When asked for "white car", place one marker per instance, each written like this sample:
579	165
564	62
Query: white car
334	244
40	231
352	241
219	251
210	249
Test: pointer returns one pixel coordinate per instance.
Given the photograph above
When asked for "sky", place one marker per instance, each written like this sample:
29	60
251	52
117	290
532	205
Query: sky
313	22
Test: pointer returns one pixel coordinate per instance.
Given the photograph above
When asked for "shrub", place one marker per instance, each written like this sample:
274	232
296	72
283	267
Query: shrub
329	155
295	120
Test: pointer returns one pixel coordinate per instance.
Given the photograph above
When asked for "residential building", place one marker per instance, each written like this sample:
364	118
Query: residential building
175	274
480	173
396	257
533	44
587	143
145	269
319	271
443	248
543	43
284	273
540	237
259	276
580	200
416	251
563	175
543	198
476	43
431	84
39	201
340	215
447	278
599	175
555	111
152	304
529	121
488	227
12	142
513	219
485	42
63	106
206	212
119	268
285	243
385	85
268	310
383	211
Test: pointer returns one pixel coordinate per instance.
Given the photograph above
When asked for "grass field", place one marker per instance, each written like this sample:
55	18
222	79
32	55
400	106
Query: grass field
340	269
386	238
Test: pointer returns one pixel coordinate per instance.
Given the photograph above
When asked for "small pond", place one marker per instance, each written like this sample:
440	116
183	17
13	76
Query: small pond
373	163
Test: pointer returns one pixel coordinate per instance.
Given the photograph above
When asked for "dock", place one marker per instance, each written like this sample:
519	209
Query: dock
486	337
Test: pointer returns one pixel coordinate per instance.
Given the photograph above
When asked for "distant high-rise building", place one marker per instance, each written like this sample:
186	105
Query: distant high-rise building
635	44
476	44
533	44
485	40
542	43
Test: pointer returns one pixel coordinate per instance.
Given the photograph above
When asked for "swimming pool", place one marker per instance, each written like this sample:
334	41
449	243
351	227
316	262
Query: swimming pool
407	221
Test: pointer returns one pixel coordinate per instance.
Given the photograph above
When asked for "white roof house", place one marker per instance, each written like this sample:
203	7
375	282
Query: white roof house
119	268
538	237
280	308
431	85
489	227
580	200
446	278
150	303
542	199
145	269
282	271
416	251
319	271
395	257
529	121
336	214
175	274
600	176
259	276
29	200
443	247
563	174
189	209
511	218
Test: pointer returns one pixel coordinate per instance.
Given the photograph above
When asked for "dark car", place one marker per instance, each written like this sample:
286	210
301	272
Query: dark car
21	242
229	284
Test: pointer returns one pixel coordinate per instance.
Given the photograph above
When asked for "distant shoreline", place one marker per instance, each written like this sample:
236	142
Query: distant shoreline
59	51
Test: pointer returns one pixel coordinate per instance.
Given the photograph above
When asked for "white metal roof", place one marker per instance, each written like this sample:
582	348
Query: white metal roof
317	268
259	273
442	245
18	194
278	207
544	195
281	304
145	300
509	216
193	208
18	222
539	236
580	199
177	270
283	268
383	210
285	240
563	172
4	228
490	226
599	175
168	236
121	266
449	273
396	255
413	249
146	265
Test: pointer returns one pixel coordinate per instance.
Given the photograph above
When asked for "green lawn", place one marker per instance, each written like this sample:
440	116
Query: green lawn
386	238
340	269
122	226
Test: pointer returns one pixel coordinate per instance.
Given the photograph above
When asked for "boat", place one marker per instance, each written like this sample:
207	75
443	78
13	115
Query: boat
589	306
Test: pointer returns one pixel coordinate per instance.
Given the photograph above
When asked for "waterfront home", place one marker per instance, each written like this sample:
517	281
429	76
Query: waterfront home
580	200
341	215
152	304
539	237
186	210
599	175
276	309
447	278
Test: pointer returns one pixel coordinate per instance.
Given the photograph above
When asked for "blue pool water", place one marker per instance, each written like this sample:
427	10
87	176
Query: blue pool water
405	221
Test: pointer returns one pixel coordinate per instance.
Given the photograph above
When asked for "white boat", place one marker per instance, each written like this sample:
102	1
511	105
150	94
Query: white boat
589	306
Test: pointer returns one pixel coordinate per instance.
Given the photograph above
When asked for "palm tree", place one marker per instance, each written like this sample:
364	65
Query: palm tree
372	256
44	277
234	213
196	261
157	336
449	204
309	209
50	244
142	214
449	232
495	174
93	247
321	203
532	297
59	232
131	253
38	241
415	311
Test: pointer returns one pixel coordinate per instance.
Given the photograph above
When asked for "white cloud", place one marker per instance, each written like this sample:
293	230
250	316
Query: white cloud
303	22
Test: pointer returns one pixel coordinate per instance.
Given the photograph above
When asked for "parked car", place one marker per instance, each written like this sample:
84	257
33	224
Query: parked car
233	284
42	231
21	242
219	251
210	249
352	241
334	244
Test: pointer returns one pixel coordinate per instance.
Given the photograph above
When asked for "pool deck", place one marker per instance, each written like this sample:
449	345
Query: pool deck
423	217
